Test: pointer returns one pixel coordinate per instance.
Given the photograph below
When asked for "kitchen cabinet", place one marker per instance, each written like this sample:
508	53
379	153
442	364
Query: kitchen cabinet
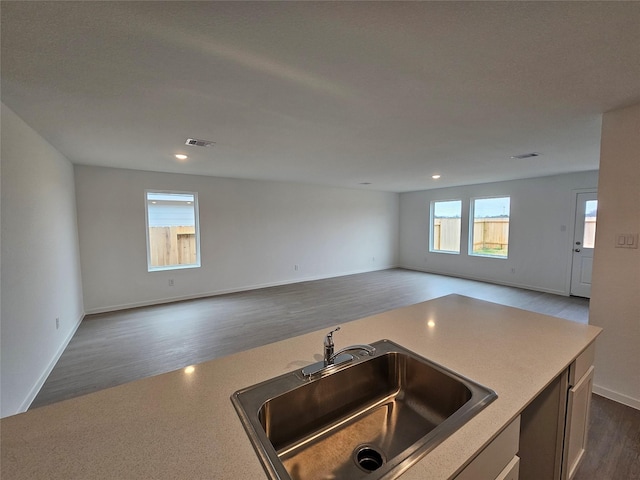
497	460
554	425
576	428
511	471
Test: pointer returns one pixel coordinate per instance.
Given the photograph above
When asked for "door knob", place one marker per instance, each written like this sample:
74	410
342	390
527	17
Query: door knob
577	250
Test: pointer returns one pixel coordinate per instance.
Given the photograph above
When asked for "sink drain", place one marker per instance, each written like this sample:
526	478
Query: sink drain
368	458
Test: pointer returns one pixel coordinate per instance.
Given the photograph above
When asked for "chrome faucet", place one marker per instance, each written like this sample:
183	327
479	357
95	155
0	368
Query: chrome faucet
336	358
328	347
371	351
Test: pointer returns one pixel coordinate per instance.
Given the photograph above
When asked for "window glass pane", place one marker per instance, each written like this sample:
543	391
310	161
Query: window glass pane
445	226
590	214
490	231
172	229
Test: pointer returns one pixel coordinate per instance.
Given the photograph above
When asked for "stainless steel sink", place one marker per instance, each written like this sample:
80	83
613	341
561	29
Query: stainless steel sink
371	418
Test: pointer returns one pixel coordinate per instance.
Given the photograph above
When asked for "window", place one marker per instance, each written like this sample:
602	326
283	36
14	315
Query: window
590	216
490	228
173	240
445	226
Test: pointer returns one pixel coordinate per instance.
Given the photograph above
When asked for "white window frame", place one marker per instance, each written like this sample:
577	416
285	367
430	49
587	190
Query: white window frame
432	208
472	217
196	211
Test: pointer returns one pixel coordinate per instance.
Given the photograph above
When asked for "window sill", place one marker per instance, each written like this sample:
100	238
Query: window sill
172	267
485	255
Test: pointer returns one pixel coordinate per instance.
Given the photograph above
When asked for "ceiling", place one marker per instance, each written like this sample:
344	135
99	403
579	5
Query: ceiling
329	93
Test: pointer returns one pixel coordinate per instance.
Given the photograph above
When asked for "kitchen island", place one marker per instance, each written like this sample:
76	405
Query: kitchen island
183	425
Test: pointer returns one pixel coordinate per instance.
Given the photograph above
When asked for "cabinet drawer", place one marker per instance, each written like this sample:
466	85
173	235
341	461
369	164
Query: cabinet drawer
582	364
492	461
511	471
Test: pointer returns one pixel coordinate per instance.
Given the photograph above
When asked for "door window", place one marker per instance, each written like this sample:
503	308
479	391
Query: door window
589	236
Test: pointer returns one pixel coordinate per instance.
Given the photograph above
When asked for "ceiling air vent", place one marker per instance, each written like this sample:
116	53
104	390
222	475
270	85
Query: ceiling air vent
194	142
526	155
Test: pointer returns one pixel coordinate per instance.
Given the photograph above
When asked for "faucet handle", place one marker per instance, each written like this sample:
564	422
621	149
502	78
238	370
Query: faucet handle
328	340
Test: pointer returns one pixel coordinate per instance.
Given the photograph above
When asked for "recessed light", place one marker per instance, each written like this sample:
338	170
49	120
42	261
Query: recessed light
181	156
435	177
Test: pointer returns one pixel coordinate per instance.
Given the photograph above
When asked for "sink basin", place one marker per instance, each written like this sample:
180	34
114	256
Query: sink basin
371	418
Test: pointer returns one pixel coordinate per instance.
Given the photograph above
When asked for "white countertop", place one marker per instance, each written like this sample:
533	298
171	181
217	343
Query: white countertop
181	425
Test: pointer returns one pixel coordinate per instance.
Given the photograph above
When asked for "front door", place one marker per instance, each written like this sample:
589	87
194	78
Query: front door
583	244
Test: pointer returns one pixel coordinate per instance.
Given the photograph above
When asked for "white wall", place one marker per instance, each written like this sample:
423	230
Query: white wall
252	234
40	261
615	300
540	238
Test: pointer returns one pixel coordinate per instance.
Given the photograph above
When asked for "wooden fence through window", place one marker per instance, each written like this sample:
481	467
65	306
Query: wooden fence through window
589	238
172	246
489	235
446	234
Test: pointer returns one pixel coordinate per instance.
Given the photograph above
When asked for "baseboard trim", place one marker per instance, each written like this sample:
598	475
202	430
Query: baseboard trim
534	288
617	397
180	298
43	378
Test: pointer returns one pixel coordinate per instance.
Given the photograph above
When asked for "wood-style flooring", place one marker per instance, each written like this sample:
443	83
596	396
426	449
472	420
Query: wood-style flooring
613	444
113	348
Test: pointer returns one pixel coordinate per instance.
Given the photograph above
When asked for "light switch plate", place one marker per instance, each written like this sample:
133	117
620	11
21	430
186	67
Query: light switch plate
627	240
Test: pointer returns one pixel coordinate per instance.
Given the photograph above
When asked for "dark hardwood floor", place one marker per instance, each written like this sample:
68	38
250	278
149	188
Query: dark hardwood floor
613	444
113	348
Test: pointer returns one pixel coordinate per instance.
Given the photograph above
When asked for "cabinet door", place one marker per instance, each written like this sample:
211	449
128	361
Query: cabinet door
575	440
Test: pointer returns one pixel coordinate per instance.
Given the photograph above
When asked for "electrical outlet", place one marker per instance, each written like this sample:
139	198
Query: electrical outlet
57	323
171	282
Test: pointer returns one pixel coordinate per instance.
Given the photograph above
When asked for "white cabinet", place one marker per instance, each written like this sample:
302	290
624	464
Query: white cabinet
497	460
578	411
